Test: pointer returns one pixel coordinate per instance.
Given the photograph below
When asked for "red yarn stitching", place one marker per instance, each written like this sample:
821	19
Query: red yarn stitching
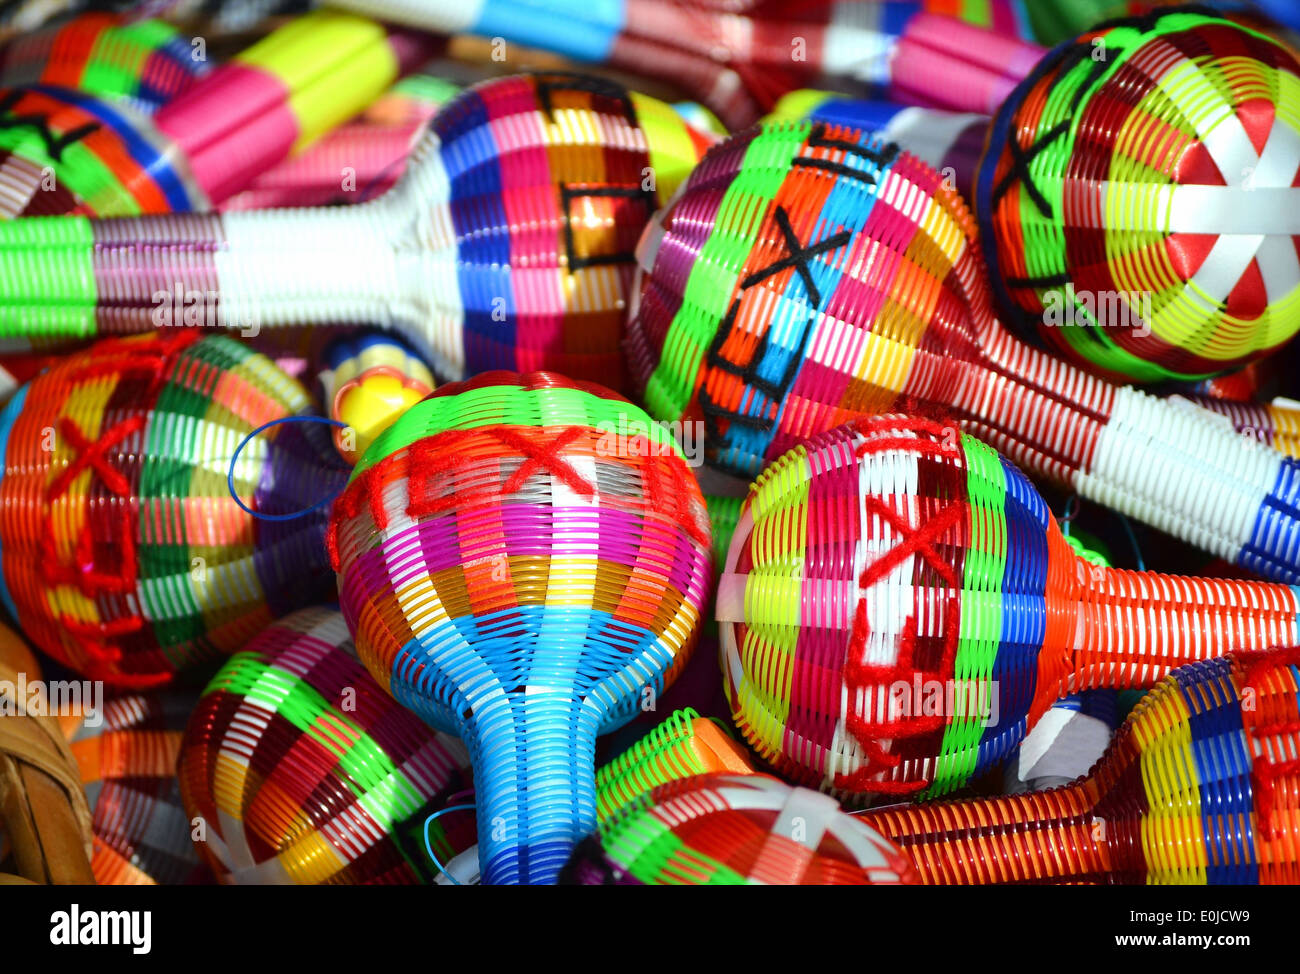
913	541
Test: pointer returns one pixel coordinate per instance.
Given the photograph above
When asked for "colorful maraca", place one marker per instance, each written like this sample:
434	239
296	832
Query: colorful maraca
302	770
522	560
146	63
808	274
1200	786
736	830
508	243
899	607
1140	202
738	58
122	550
66	151
127	756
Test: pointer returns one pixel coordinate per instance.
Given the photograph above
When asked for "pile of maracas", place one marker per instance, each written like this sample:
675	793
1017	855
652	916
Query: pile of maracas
383	518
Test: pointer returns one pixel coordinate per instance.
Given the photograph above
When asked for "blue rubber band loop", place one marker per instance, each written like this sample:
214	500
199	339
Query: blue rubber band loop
428	847
230	473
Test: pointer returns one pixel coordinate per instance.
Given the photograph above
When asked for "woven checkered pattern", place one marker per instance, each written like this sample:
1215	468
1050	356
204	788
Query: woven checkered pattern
508	244
144	63
1142	210
1199	787
128	764
522	559
809	273
124	554
302	770
728	830
898	608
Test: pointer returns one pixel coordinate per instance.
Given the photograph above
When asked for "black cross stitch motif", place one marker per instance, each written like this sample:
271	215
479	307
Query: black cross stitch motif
798	257
54	144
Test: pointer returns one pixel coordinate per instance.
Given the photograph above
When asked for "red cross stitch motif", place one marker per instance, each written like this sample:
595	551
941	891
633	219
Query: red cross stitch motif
858	674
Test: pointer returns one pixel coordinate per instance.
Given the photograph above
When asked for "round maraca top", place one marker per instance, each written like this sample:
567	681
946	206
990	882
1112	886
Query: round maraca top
124	554
1140	200
806	273
723	829
898	607
533	496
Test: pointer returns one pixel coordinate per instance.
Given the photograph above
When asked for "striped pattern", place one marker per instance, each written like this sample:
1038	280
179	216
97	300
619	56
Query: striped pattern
72	151
727	830
809	274
737	63
123	553
128	765
950	142
1199	787
301	770
145	63
898	608
1140	211
522	560
508	244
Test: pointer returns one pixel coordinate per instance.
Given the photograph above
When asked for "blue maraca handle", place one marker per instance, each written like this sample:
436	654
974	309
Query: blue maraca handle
534	759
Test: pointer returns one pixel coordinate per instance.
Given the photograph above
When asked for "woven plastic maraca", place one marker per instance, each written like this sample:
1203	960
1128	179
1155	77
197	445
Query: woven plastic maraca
124	553
66	151
302	770
146	62
523	560
1199	787
737	58
899	607
736	830
807	274
127	755
1140	202
508	243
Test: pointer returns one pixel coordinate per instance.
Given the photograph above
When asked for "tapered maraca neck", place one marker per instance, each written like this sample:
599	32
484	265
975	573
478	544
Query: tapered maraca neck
1057	836
378	262
534	754
1128	629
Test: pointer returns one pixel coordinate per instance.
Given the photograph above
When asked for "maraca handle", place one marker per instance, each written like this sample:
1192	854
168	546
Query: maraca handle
1135	627
534	756
1167	463
947	63
1047	835
72	277
1185	470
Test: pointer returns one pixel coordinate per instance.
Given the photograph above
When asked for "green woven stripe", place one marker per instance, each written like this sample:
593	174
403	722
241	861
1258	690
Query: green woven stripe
52	287
649	850
381	787
981	613
512	405
714	275
662	755
724	514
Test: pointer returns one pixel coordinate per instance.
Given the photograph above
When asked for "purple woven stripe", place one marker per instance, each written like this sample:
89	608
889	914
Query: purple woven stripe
156	271
617	541
693	220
